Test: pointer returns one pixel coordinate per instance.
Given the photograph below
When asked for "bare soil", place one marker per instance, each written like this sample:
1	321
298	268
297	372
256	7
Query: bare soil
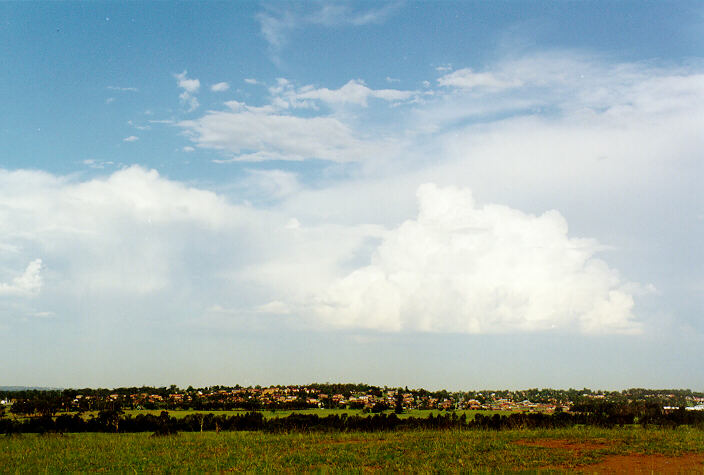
638	463
621	464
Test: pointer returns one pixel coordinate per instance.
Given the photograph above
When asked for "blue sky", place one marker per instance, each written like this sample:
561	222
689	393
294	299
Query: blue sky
436	194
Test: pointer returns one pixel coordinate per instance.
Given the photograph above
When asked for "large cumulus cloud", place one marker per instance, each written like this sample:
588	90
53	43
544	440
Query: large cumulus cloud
461	267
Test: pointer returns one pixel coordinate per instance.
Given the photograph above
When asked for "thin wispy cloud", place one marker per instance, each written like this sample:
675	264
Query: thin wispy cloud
278	21
137	126
97	164
123	89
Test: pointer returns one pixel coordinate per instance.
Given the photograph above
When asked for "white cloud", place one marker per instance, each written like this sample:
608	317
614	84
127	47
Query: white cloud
354	92
190	101
188	148
253	134
220	87
131	232
131	138
188	85
272	131
577	127
606	138
463	268
109	100
139	246
251	81
190	88
284	95
468	79
29	283
457	267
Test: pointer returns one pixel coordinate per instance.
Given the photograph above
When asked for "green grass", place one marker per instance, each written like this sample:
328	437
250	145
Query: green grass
389	451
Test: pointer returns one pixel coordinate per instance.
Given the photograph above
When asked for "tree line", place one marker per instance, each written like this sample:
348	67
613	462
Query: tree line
589	414
50	402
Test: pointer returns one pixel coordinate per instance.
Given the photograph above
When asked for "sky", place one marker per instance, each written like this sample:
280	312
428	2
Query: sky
457	195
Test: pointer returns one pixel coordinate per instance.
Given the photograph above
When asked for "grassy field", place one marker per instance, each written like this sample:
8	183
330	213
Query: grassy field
399	451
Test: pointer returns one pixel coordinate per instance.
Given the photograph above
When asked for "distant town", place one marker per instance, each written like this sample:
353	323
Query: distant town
367	398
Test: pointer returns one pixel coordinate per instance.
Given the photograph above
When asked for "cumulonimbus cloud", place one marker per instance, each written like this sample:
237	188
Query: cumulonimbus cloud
460	267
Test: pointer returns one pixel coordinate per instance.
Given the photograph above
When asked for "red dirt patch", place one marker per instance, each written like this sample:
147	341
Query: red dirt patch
637	463
620	464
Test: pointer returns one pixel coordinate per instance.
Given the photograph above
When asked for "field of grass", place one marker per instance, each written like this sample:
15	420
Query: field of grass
398	451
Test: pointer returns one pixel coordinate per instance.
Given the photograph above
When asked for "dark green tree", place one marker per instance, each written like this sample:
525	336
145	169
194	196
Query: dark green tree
110	417
398	409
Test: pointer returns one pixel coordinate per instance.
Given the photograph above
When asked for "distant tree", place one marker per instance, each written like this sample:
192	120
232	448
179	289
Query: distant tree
200	418
22	407
110	418
398	409
47	407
